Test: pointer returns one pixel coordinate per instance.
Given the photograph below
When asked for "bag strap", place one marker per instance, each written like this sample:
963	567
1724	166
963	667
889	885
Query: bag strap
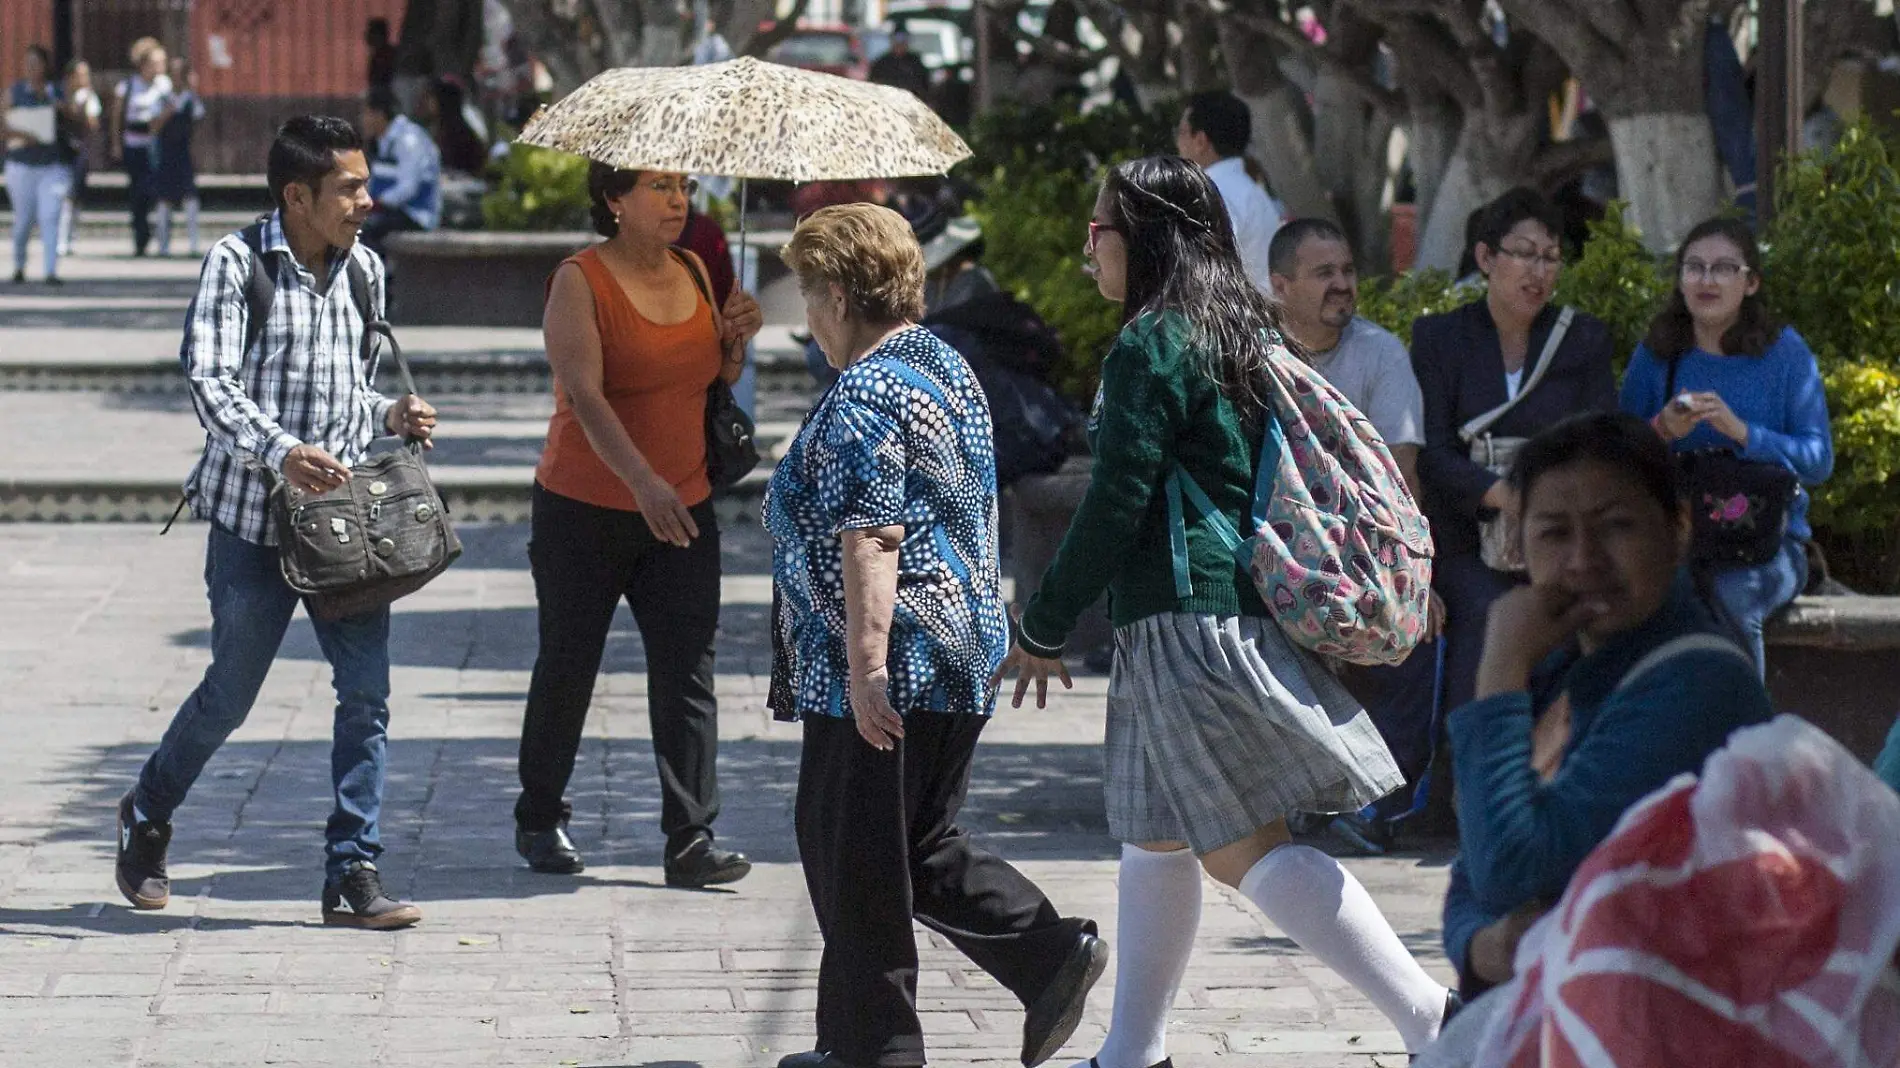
1669	650
1472	430
700	283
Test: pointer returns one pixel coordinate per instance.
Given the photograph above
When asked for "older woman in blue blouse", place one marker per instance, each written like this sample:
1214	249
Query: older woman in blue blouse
888	625
1742	383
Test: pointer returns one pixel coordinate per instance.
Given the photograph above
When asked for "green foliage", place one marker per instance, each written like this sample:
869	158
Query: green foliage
1618	280
537	189
1831	261
1038	170
1395	302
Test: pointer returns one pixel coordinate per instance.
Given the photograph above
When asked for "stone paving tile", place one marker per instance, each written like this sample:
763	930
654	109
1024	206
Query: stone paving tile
239	972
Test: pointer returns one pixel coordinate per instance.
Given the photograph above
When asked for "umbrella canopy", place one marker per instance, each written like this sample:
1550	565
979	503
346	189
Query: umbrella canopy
748	119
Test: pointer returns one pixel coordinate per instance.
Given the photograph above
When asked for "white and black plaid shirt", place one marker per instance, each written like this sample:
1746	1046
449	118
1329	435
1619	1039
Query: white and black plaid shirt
307	382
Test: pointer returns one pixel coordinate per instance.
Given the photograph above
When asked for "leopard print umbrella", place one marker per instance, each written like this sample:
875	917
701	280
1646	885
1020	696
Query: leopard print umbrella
748	119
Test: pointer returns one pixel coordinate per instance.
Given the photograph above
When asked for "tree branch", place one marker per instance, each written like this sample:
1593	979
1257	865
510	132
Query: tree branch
1591	55
1558	163
1355	78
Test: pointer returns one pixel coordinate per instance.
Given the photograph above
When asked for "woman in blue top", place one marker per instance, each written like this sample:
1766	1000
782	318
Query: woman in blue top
1743	383
1600	681
887	626
38	173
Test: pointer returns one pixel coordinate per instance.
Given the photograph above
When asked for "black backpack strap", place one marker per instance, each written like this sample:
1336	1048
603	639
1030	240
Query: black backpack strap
260	288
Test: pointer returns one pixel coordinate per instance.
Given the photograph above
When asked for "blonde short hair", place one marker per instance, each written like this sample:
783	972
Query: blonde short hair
142	48
869	251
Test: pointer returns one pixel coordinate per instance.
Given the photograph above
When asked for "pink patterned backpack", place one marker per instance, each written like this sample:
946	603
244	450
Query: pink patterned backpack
1338	549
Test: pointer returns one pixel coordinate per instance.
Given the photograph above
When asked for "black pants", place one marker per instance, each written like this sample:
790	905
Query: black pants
878	837
139	195
585	559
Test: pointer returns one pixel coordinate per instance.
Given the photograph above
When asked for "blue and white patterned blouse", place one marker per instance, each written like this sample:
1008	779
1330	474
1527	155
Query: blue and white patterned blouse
902	439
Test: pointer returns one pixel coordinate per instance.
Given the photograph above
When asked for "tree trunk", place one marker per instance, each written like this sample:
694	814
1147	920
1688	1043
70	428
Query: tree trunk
1280	143
1666	169
1461	191
1196	63
1431	135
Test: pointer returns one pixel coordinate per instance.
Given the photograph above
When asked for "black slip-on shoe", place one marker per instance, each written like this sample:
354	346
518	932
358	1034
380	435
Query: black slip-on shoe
358	901
551	852
1053	1018
141	858
812	1059
1453	1002
1165	1062
701	864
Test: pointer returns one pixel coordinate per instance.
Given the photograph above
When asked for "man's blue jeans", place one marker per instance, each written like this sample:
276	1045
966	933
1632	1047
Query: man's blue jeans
251	606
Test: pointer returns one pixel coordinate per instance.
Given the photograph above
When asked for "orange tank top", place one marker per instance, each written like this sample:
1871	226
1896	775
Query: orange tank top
655	378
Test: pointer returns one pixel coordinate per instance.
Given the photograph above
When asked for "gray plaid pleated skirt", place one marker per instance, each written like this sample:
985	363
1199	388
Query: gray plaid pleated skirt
1218	725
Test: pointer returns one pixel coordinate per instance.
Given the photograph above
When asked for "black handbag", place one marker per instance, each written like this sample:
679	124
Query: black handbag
1738	509
732	450
382	535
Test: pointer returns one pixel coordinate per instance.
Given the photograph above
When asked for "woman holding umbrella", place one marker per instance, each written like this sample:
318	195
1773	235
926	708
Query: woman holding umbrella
622	509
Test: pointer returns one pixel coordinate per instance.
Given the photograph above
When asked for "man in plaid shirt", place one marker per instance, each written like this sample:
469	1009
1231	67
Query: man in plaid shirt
302	403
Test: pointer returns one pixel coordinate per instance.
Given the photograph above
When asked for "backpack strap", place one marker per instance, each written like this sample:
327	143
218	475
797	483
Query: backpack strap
1180	483
260	287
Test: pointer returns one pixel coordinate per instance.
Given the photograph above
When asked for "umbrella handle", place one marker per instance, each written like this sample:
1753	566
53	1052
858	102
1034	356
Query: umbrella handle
742	225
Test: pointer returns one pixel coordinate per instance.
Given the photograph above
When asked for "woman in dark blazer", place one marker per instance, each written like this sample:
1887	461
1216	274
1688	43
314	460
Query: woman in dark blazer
1469	361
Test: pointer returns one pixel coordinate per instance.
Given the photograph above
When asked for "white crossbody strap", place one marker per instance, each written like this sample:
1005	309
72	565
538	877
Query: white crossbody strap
1481	423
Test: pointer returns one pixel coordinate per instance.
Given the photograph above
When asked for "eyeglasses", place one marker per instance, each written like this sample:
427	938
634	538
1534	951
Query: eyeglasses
1096	229
673	187
1720	271
1552	258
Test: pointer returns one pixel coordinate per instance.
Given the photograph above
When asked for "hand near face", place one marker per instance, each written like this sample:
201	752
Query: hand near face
1524	626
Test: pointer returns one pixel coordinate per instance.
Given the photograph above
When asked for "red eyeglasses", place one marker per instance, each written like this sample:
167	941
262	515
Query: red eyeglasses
1098	228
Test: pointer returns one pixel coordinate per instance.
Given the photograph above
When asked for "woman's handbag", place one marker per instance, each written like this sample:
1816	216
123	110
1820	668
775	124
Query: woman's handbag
732	450
1497	534
1738	509
380	536
1336	547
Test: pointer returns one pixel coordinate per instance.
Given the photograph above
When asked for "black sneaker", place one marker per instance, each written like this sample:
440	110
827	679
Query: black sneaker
19	278
359	901
141	863
700	865
551	852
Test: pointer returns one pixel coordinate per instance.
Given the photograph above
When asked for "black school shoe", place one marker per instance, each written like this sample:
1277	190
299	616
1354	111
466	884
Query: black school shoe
701	864
141	858
1053	1018
812	1059
358	901
550	852
1165	1062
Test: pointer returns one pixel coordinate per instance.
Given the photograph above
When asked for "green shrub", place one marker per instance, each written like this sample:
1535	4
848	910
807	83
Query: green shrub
1037	171
1618	280
1831	261
537	189
1395	301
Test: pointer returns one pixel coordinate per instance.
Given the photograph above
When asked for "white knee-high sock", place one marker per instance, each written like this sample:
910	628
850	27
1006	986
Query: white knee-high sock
1158	911
164	228
1321	906
191	223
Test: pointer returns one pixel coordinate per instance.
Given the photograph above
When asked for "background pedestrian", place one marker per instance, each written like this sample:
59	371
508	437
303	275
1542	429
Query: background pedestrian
137	104
84	112
175	178
38	176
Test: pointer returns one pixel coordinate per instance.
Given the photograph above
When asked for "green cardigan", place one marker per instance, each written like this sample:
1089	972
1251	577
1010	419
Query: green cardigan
1155	408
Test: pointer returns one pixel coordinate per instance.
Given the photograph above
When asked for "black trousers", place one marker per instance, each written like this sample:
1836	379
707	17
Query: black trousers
878	837
381	223
139	196
585	559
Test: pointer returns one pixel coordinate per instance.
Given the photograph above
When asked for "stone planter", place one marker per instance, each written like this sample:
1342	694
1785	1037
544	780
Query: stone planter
1036	513
1835	661
475	278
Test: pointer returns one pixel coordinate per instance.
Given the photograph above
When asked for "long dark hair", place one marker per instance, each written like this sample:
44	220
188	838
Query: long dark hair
1672	333
1182	259
604	183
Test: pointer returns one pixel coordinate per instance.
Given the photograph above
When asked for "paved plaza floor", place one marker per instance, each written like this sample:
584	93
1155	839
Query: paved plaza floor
103	630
